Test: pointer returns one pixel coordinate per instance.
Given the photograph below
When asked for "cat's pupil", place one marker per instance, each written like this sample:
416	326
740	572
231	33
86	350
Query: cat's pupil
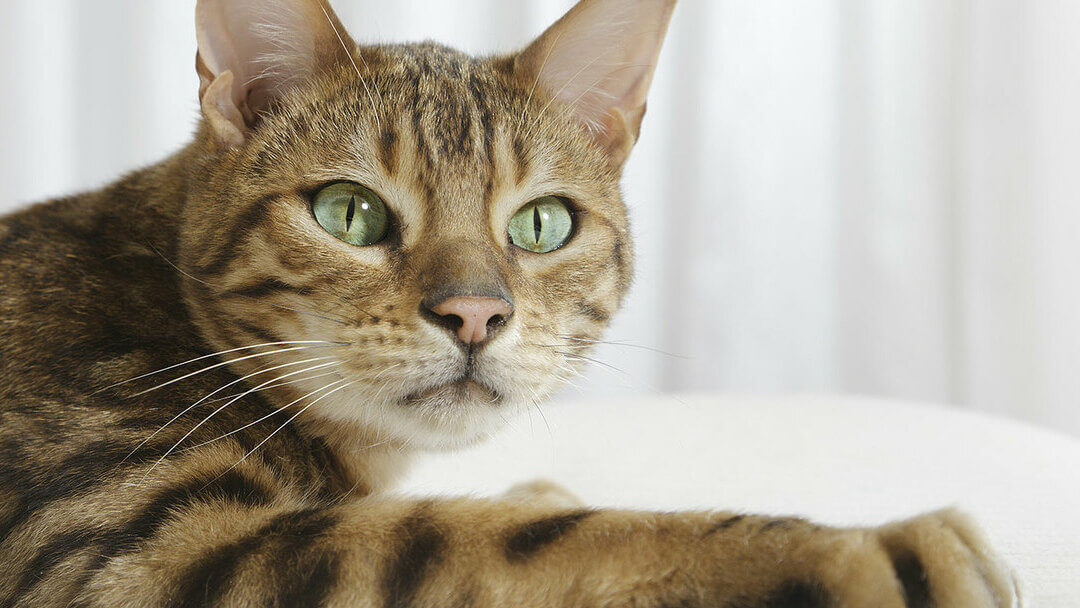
350	213
537	223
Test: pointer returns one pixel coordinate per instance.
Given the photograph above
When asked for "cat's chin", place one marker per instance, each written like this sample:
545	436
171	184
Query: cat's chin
453	415
443	417
462	393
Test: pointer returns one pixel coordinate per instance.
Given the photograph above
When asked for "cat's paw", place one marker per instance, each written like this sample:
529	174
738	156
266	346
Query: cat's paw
543	492
943	559
938	559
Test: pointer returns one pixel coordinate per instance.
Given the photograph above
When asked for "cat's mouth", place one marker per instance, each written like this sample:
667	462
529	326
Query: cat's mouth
464	390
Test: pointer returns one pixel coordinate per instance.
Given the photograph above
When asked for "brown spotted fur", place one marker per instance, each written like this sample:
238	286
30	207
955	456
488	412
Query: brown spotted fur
215	248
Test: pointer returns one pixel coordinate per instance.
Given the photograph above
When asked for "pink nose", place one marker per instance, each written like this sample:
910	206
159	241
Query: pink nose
475	313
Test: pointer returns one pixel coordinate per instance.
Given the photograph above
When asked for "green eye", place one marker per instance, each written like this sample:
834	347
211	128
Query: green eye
352	213
541	226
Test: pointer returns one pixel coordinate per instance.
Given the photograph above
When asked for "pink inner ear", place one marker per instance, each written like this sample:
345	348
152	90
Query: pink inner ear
266	44
600	57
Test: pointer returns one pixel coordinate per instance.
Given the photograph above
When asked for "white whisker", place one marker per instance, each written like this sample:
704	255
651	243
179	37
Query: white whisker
278	385
544	418
222	408
625	374
285	424
223	352
222	364
268	416
217	390
594	361
626	344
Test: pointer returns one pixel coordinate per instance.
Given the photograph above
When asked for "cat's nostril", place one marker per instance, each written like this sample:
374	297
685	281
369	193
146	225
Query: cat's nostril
452	322
472	319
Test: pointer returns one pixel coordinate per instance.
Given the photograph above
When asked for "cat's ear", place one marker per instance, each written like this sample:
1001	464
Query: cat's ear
251	50
599	59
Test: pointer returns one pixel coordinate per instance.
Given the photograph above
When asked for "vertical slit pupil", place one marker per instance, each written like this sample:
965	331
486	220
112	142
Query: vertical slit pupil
537	223
350	213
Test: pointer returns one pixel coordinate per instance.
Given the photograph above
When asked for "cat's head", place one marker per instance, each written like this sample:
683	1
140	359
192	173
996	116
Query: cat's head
433	239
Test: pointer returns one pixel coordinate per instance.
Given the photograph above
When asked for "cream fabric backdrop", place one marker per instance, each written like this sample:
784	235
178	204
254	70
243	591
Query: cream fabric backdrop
858	196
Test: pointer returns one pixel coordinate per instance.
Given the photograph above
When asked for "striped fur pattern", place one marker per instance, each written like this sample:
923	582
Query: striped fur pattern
204	397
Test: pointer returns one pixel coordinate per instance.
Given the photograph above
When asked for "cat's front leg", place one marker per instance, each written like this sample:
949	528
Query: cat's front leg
938	559
536	556
499	553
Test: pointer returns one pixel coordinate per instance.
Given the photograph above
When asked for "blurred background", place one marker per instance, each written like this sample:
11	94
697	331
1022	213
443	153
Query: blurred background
874	197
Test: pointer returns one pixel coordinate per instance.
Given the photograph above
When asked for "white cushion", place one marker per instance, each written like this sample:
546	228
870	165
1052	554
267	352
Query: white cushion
838	460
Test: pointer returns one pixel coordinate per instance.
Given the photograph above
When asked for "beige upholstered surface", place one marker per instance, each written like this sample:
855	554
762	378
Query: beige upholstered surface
839	460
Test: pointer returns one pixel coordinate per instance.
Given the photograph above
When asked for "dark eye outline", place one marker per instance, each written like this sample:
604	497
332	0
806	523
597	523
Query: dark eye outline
571	208
391	238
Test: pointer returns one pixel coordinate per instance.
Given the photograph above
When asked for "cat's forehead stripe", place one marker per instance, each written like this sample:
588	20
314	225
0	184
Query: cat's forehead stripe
447	96
387	149
449	128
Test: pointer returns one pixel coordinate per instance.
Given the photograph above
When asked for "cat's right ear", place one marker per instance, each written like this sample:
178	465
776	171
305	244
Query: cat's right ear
599	60
252	50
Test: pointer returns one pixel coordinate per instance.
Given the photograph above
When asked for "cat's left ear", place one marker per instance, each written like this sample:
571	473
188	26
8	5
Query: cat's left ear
250	51
599	60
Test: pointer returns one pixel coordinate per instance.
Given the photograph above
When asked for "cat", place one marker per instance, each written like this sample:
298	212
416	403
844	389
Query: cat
212	370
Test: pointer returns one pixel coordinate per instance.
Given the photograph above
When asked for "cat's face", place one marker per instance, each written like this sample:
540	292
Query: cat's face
440	237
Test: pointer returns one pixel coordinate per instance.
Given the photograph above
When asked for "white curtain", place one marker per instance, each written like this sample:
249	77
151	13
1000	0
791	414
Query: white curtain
848	196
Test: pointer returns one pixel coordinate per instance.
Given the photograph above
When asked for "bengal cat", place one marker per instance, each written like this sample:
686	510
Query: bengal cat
212	369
